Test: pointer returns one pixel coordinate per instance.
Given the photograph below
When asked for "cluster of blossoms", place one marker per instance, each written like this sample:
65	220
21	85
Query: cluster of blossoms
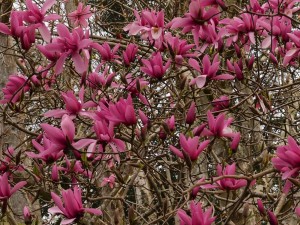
90	128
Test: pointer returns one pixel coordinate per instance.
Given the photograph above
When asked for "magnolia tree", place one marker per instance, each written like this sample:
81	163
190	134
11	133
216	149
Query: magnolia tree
150	112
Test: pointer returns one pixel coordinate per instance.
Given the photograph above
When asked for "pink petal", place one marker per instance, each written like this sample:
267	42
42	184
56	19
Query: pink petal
68	128
47	5
18	186
79	63
4	29
45	32
67	221
176	151
97	212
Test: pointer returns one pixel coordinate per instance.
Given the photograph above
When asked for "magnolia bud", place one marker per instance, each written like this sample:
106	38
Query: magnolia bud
261	207
272	218
27	216
191	114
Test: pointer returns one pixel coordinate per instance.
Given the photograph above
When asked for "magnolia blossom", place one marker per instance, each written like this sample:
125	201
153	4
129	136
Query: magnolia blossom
219	127
208	72
18	30
190	147
80	15
63	139
107	54
73	106
73	44
37	16
6	190
149	23
129	54
154	67
179	49
71	206
16	86
120	112
229	183
109	180
288	159
220	103
198	216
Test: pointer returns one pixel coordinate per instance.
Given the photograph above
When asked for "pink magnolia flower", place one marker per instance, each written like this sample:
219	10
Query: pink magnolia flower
135	86
220	103
190	146
277	29
191	114
120	112
67	44
16	86
18	30
236	68
197	18
150	24
80	15
292	52
109	180
27	215
129	54
6	190
96	80
179	49
240	28
48	151
198	216
37	16
170	122
229	183
288	159
219	127
73	168
71	206
154	67
208	72
105	134
63	139
107	54
73	106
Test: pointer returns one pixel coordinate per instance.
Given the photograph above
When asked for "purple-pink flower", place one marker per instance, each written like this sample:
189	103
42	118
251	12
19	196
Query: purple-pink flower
154	67
71	206
6	190
119	112
37	16
229	183
109	180
80	15
75	44
73	106
288	159
16	86
190	146
150	24
208	72
198	216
